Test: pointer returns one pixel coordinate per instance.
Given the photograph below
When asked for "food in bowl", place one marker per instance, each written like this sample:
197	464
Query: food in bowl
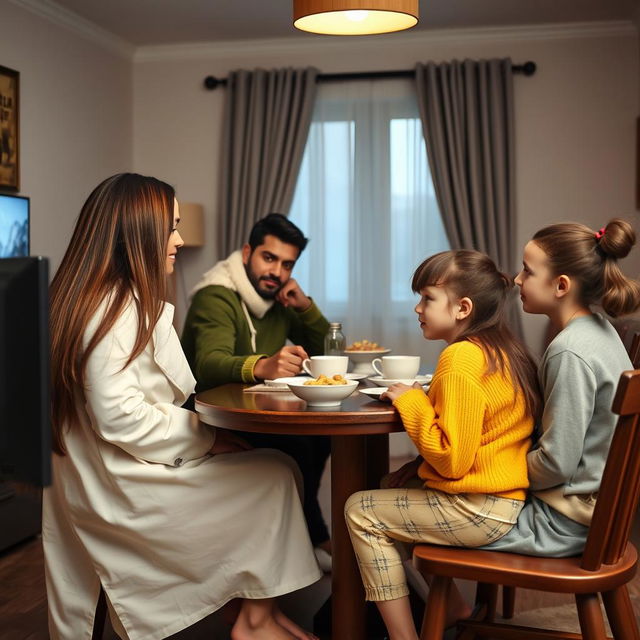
364	345
322	379
322	395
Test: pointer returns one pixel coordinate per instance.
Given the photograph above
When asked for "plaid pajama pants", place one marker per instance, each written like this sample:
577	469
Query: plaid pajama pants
377	520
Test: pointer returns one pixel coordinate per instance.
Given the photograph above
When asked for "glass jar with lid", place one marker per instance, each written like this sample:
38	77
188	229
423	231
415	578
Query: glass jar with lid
334	341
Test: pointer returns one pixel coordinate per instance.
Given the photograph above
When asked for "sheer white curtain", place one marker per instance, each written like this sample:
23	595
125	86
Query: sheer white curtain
366	200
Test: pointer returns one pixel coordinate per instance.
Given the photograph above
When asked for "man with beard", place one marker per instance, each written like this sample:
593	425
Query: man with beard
242	312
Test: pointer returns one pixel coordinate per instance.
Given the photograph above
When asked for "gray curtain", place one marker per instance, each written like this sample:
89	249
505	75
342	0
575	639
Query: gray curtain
468	123
267	119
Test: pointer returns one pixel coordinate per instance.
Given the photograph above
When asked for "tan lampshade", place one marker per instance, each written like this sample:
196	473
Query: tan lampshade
191	225
354	17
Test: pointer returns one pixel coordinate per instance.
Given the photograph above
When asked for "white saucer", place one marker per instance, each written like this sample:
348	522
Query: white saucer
387	382
356	376
374	392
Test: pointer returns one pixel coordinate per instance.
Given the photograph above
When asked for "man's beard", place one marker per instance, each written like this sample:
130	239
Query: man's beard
255	281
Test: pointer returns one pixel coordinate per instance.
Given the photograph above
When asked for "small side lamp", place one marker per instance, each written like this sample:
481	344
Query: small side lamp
191	225
191	230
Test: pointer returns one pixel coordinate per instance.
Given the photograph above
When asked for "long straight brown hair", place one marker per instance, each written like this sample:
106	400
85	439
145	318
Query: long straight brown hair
117	252
473	275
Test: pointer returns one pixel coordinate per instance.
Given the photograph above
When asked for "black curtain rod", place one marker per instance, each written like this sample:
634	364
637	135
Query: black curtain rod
527	69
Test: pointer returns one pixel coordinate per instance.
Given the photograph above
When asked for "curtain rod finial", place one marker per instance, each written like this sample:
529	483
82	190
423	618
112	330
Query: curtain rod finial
529	68
211	82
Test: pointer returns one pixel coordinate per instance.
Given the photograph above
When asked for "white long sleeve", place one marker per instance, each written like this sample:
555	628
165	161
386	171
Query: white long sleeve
124	404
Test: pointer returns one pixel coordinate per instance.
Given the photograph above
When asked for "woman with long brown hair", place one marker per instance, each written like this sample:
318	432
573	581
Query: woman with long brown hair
171	518
472	431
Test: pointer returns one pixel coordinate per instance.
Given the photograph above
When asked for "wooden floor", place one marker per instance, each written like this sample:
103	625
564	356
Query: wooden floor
23	600
23	607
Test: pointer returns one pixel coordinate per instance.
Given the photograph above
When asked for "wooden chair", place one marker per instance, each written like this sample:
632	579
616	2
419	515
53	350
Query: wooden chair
634	350
607	564
627	327
631	340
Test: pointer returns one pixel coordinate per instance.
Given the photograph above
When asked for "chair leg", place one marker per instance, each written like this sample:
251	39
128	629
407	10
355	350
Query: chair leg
100	616
487	595
620	614
436	609
508	602
590	616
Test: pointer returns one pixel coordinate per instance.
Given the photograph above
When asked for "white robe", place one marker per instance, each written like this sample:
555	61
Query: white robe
139	506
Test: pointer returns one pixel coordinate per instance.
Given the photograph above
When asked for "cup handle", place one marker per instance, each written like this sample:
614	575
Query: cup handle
305	366
375	368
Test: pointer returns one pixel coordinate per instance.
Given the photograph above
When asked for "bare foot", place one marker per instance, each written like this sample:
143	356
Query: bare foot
292	627
269	630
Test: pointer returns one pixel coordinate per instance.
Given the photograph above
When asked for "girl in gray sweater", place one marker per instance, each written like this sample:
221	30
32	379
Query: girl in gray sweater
566	269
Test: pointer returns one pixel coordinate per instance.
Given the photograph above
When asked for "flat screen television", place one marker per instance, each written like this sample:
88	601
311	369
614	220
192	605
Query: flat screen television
25	435
14	226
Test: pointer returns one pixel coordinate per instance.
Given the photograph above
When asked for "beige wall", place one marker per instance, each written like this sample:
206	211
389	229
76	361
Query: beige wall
88	112
75	119
636	16
575	119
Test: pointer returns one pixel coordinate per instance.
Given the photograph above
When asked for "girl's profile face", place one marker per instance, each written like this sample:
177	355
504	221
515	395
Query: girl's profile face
537	284
175	241
437	314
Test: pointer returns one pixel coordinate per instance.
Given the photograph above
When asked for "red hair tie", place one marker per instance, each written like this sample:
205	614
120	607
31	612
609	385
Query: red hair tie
600	233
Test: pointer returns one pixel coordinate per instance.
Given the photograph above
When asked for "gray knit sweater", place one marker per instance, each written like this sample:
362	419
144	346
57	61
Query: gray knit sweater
579	374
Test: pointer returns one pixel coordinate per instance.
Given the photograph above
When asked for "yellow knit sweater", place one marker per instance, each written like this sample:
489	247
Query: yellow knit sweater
473	430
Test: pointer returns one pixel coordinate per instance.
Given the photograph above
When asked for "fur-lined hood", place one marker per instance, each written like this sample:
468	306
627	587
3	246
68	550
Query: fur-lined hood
230	273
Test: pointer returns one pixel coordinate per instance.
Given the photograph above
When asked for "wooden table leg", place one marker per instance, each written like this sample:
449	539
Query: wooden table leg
377	459
348	475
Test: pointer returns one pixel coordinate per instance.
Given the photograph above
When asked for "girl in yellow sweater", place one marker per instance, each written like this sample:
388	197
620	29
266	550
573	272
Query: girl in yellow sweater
472	431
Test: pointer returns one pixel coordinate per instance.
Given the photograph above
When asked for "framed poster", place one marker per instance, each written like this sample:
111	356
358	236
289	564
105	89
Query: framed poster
9	129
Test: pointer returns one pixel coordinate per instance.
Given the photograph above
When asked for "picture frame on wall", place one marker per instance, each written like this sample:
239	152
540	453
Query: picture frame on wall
9	129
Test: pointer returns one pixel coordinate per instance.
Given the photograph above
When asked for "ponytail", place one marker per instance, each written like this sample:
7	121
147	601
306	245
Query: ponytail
621	295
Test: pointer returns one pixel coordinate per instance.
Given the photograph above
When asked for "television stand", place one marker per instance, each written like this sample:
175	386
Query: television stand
20	514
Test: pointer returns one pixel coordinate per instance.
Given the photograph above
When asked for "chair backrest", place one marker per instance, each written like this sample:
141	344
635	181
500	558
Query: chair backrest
627	327
634	350
620	487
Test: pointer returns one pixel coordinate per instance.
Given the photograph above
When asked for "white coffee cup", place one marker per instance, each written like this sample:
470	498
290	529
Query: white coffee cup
326	365
397	367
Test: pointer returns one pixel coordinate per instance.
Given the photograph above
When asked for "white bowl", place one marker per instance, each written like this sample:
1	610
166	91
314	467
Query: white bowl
322	395
362	360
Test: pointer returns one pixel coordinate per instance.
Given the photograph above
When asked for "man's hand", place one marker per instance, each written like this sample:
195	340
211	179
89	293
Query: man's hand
226	442
291	295
397	389
284	363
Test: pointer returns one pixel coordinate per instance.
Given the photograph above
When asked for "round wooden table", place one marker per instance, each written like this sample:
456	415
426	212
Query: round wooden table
359	430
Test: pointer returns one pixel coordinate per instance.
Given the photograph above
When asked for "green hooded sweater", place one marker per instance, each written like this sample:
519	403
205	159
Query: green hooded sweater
217	338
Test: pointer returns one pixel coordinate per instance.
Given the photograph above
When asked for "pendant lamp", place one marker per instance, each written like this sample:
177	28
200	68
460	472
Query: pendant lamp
354	17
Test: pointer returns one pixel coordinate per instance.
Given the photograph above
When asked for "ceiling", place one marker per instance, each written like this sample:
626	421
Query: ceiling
158	22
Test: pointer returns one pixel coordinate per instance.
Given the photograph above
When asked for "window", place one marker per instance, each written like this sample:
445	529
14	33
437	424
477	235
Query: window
366	200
